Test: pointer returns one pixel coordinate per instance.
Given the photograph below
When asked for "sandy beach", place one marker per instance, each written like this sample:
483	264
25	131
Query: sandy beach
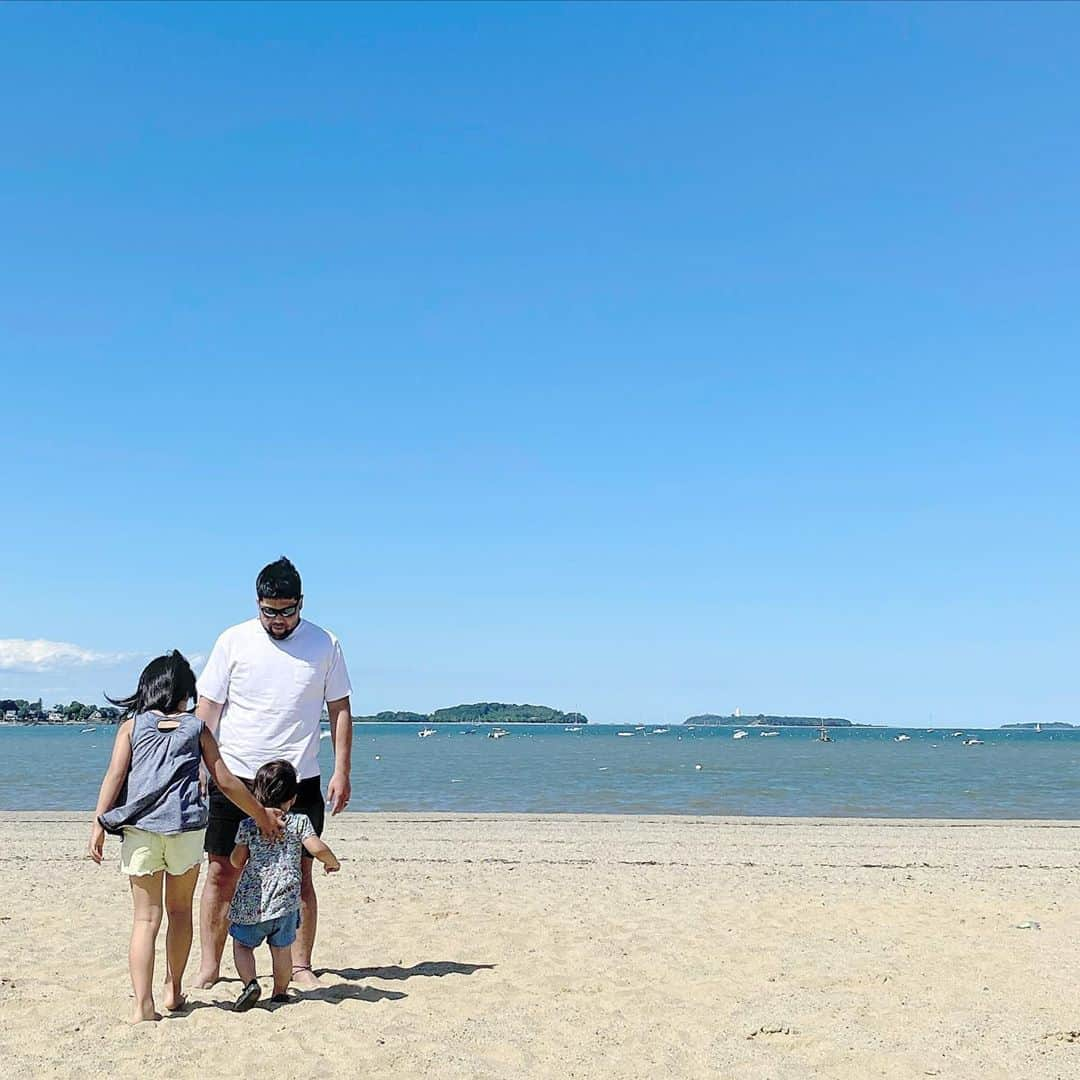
512	946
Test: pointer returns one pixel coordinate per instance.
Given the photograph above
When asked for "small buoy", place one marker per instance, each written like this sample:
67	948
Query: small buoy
377	758
699	766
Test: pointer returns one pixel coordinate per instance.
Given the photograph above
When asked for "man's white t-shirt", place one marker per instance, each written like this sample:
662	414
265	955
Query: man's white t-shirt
273	693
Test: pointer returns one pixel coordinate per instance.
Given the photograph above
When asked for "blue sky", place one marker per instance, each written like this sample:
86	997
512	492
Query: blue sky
642	360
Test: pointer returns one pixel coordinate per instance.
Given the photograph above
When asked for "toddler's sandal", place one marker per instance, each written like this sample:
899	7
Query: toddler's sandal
248	996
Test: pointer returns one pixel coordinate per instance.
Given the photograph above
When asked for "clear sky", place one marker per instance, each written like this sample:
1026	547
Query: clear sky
642	360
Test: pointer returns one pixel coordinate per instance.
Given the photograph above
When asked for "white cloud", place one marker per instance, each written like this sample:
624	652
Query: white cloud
18	654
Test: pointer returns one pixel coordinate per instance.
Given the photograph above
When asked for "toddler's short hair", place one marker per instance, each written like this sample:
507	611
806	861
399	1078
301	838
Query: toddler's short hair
276	783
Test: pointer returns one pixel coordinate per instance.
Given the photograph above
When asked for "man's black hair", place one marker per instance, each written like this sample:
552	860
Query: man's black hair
165	684
275	784
279	580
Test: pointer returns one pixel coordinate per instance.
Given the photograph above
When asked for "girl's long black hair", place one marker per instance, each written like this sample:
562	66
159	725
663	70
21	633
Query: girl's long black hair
166	684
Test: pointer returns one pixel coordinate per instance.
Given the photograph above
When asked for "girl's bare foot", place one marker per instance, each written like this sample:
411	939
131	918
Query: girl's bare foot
144	1011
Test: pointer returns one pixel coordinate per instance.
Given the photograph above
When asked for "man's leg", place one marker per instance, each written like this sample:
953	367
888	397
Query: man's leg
217	894
302	975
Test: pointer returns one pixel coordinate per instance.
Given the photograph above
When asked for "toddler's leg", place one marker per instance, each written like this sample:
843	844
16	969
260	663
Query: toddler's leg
178	893
146	897
282	969
244	958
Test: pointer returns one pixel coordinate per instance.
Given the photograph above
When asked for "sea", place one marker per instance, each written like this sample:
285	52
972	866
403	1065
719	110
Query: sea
602	769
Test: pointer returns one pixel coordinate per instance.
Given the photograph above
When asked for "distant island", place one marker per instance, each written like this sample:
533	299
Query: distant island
1056	724
483	712
761	720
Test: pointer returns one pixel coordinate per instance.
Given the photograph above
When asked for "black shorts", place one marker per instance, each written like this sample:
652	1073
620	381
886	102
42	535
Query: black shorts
225	815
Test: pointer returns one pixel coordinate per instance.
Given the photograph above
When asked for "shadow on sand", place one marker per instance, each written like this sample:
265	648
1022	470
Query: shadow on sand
428	969
334	995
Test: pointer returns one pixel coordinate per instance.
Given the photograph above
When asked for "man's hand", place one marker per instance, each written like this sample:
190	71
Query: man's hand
270	823
95	848
339	792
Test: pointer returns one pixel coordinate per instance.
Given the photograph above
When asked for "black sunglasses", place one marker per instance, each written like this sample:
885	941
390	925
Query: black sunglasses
280	612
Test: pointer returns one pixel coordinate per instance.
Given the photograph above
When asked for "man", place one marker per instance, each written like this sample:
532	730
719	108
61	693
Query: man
262	692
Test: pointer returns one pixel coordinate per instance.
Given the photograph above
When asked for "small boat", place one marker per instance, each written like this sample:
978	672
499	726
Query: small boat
957	734
902	738
769	734
87	730
659	731
740	734
625	734
1038	727
973	742
823	735
498	733
426	733
324	735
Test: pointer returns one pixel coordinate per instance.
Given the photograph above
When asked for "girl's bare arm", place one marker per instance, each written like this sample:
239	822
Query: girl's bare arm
115	775
268	820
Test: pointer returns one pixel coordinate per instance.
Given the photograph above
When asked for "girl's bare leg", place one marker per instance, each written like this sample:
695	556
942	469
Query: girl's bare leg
146	898
178	893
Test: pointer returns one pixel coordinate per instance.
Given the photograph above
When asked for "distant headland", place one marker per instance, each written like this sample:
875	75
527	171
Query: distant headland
761	720
483	712
1039	726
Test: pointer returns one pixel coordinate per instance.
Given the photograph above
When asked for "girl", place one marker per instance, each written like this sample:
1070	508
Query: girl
150	796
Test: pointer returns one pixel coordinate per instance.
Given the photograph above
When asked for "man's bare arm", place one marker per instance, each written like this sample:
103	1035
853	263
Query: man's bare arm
340	789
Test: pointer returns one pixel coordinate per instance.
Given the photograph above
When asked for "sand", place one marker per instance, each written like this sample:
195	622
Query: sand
514	946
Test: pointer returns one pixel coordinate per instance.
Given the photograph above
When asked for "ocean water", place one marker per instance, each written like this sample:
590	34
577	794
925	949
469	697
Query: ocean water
864	772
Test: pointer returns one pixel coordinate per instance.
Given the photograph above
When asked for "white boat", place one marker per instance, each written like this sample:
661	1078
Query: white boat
823	735
625	734
957	734
498	733
903	738
659	731
973	742
740	734
769	734
87	730
427	732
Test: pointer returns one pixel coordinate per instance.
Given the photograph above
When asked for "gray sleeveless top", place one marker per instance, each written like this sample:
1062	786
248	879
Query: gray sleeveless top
161	793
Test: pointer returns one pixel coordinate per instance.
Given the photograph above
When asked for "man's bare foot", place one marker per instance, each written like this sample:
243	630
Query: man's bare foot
304	977
205	979
144	1012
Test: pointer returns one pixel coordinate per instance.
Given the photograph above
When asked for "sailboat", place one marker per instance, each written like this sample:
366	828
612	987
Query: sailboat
823	735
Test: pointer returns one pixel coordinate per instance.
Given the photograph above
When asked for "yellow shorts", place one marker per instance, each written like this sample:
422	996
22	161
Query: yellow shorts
147	852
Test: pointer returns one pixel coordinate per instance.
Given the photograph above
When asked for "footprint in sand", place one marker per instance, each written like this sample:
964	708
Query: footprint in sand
1063	1036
